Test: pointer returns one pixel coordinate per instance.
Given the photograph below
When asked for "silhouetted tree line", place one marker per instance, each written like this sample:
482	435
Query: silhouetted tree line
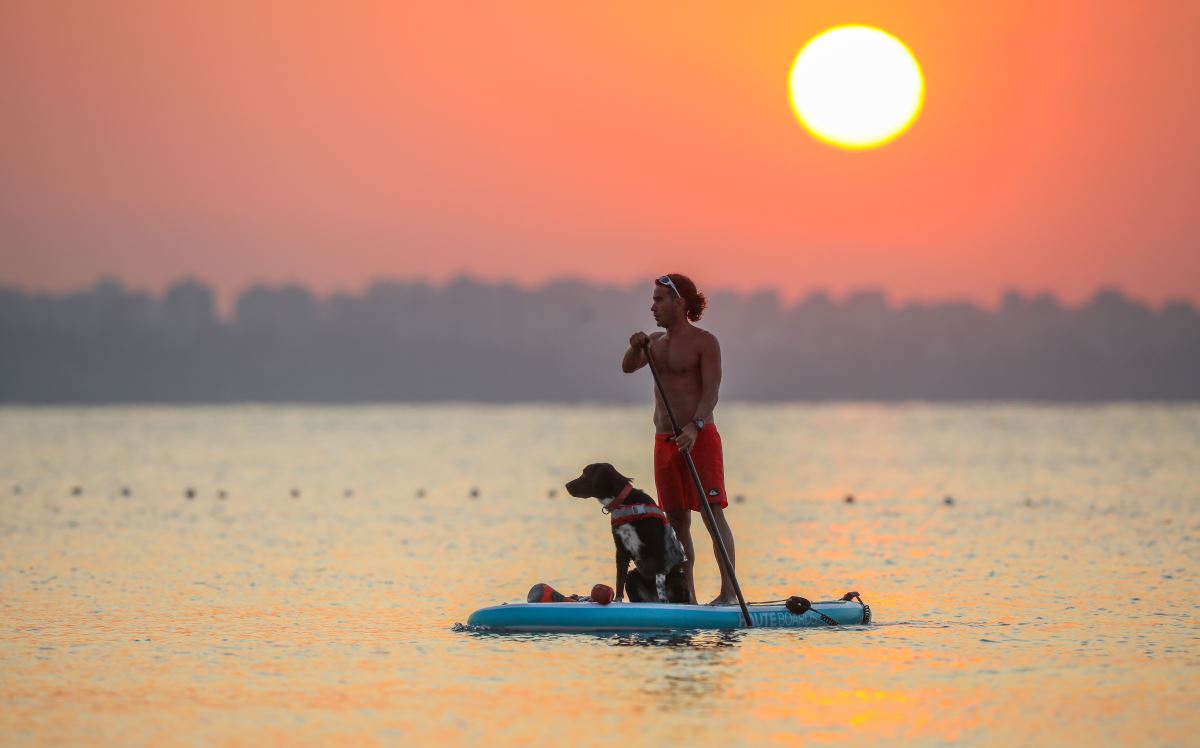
563	342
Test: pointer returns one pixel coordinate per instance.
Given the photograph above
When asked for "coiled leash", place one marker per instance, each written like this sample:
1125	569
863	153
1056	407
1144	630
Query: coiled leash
800	605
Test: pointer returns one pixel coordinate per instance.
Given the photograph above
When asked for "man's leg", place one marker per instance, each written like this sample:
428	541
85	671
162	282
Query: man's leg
681	522
727	596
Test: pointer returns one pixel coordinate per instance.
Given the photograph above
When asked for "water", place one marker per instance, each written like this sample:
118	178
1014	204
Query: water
1053	603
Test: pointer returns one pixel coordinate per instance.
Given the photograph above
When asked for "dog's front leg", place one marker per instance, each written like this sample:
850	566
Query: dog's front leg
623	559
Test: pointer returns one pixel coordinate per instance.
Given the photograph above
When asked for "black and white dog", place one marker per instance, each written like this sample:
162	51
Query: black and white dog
641	533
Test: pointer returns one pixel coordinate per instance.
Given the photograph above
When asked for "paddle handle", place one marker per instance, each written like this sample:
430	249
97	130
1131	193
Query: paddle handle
708	512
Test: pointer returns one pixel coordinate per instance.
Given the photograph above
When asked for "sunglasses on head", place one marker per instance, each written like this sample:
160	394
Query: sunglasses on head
665	280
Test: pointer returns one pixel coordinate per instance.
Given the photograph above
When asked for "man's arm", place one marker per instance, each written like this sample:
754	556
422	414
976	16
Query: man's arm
710	377
710	385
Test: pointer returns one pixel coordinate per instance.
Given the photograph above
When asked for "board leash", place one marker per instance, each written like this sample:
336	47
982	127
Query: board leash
800	605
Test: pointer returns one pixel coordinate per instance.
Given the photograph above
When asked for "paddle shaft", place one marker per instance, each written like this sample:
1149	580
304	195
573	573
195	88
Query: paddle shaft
708	512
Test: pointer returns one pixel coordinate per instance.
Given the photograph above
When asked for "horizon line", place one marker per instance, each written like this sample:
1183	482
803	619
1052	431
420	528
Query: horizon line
225	299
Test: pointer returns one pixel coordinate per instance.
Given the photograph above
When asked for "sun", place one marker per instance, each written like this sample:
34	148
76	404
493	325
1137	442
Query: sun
856	87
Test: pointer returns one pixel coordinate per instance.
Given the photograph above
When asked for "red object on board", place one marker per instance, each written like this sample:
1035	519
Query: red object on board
602	594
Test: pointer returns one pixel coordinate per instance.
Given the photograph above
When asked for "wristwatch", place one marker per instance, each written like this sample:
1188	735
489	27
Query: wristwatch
699	423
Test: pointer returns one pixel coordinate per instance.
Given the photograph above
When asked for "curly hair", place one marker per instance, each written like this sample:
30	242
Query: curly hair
694	301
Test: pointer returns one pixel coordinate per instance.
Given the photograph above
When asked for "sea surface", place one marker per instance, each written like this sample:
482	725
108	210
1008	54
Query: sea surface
1032	571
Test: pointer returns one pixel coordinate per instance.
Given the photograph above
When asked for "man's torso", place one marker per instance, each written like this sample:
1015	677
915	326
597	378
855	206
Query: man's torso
678	361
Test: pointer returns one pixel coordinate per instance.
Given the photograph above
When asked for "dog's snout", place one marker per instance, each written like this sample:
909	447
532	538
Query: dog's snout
577	487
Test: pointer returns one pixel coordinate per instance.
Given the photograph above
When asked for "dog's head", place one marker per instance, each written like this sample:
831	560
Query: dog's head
598	481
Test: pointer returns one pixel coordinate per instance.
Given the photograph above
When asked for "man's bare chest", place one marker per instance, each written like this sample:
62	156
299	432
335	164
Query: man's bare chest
676	357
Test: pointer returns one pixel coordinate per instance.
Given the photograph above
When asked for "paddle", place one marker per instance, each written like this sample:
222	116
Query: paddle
708	512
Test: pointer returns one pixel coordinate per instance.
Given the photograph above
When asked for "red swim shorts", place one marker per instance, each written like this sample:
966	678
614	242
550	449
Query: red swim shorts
673	479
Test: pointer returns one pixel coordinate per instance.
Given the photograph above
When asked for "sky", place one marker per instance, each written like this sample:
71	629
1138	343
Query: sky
332	144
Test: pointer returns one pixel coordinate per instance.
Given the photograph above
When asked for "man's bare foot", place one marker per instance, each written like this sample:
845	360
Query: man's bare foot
724	600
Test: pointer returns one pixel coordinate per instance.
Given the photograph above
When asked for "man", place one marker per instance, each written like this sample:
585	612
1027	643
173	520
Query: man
689	364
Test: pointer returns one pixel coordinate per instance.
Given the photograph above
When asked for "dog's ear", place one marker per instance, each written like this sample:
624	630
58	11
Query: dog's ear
609	480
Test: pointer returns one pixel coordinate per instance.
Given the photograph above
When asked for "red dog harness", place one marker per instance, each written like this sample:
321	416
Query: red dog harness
622	515
632	513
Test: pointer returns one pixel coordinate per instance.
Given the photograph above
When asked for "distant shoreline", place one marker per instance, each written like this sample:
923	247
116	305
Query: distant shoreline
489	343
583	404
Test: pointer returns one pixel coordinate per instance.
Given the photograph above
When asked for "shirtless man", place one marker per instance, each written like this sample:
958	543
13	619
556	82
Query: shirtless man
689	364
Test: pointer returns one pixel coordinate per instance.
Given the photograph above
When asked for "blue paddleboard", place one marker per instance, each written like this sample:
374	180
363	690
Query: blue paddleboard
588	616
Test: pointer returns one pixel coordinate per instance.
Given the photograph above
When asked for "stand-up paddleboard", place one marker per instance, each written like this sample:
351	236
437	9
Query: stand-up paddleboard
589	616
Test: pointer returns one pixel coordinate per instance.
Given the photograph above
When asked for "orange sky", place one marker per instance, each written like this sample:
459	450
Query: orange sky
245	142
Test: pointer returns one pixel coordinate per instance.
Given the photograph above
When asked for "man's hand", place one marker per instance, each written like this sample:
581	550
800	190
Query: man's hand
635	357
687	438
